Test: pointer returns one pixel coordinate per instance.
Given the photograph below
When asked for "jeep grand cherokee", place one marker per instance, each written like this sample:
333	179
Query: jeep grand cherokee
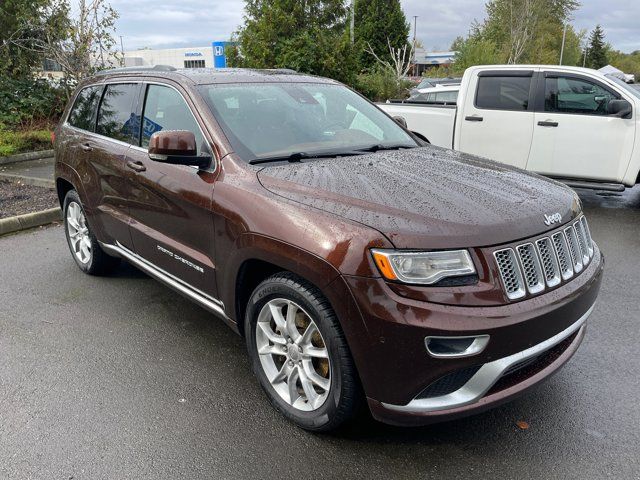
359	263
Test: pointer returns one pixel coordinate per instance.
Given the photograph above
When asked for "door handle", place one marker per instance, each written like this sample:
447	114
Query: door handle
86	147
473	118
137	166
548	123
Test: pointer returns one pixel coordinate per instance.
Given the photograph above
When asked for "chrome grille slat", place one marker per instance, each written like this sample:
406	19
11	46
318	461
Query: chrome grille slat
535	266
531	267
564	257
550	265
510	273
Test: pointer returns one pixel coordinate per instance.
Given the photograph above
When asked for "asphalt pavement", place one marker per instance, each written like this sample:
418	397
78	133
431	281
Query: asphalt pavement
121	378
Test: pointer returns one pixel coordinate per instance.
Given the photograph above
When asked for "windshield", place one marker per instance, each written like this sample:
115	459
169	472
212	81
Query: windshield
629	88
274	120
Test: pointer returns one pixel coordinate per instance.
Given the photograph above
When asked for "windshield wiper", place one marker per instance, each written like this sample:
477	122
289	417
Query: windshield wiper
297	156
379	147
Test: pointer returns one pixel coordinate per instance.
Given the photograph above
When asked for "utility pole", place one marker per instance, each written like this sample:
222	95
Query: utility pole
122	51
353	21
584	60
415	27
564	36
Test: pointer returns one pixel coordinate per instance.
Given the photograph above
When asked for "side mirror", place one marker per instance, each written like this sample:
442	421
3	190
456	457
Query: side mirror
401	120
619	108
177	147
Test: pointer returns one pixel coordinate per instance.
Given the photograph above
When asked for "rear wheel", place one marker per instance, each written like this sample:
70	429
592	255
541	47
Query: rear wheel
83	244
299	353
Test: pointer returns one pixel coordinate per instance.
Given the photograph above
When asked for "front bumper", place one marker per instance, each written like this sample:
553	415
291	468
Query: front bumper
542	332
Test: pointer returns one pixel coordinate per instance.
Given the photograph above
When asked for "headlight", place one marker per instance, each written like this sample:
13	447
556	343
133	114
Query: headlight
423	267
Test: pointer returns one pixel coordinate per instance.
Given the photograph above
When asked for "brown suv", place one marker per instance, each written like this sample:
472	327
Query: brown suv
357	261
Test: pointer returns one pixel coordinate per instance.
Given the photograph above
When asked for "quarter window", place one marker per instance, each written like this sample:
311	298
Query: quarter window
83	113
115	117
574	95
503	93
165	109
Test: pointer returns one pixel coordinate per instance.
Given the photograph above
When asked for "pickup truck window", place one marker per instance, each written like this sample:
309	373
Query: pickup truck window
575	95
115	115
165	109
503	93
83	113
277	119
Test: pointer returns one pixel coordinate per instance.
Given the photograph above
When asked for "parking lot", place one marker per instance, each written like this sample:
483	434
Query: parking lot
120	377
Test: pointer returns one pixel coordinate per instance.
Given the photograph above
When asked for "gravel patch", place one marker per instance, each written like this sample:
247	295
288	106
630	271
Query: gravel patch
17	198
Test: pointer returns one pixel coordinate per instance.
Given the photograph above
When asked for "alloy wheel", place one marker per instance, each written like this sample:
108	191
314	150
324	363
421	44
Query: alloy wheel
293	354
78	233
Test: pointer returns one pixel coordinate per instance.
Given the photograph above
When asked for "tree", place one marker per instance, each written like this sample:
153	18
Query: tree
400	59
81	45
18	33
597	49
379	23
309	36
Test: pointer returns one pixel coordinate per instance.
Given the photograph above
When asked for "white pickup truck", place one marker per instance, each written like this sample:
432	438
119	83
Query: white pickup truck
573	124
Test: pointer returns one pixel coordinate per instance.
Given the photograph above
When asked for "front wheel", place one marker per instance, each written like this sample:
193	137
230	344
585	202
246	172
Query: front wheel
299	354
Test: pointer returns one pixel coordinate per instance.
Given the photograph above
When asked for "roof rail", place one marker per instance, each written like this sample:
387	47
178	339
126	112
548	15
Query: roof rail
154	68
282	70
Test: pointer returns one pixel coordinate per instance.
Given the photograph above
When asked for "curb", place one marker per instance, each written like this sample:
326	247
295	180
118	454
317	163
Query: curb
25	157
29	220
34	181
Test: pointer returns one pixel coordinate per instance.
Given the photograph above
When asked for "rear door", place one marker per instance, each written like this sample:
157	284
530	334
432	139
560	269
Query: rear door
498	116
574	135
170	206
105	153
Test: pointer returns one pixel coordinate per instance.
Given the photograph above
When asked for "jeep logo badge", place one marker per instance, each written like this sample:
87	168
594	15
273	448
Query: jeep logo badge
551	219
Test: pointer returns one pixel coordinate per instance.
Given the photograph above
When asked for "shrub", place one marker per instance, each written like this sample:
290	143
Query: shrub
382	84
12	142
26	103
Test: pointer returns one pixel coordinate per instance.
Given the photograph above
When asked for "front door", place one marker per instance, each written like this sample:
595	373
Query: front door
498	117
574	136
171	221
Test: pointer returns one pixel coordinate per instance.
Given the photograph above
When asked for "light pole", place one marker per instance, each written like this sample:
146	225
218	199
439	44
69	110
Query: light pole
122	51
564	36
353	21
415	27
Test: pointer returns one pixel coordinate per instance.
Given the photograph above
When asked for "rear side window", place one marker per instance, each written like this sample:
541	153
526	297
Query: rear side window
115	116
83	113
165	109
503	93
574	95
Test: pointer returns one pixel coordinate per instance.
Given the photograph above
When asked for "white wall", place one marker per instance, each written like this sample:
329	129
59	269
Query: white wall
174	57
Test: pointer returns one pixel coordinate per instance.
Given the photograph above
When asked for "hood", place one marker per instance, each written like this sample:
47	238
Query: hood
427	197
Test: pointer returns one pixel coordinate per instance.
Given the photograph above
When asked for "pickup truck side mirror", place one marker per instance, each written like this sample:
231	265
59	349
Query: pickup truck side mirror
401	120
619	108
177	147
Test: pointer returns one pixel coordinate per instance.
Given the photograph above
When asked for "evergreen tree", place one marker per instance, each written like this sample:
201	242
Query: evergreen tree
309	36
597	53
378	23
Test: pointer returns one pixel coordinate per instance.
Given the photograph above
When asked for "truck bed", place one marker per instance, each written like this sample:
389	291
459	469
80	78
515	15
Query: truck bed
435	122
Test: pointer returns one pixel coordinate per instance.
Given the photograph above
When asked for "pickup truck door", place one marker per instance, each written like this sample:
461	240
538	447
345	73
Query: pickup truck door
171	220
574	137
496	117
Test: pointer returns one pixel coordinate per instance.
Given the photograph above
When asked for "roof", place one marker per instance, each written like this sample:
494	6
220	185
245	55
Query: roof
205	76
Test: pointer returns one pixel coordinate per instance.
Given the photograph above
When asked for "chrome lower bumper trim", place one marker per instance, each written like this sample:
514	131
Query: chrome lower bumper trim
206	301
486	377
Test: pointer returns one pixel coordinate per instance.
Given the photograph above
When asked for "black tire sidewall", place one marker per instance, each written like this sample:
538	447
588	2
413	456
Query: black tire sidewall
326	415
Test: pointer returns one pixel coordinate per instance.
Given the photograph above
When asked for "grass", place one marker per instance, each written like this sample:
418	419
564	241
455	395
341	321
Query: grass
13	142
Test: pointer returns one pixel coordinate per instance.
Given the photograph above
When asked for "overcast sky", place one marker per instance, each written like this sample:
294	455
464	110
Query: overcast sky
193	23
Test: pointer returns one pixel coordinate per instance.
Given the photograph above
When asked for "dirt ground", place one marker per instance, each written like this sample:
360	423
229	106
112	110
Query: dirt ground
17	198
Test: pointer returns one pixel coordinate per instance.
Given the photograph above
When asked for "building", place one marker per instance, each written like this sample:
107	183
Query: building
212	56
426	60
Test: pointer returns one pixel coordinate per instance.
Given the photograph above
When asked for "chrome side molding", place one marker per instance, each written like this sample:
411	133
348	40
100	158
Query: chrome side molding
206	301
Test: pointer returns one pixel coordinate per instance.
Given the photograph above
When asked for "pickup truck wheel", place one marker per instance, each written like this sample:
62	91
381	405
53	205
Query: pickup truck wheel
299	354
83	244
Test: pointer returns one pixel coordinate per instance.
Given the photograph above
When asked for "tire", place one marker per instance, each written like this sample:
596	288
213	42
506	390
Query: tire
337	394
86	251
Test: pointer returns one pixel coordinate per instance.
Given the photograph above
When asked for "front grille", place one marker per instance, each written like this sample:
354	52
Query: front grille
535	267
449	383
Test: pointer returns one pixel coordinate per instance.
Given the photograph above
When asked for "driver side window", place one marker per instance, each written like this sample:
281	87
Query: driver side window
575	95
165	109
